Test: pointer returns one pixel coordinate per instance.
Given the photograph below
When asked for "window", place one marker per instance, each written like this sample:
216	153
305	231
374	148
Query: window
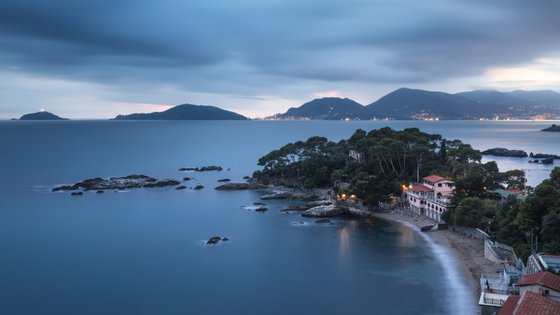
439	185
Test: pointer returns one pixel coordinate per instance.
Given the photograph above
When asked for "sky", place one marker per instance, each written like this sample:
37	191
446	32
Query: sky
97	59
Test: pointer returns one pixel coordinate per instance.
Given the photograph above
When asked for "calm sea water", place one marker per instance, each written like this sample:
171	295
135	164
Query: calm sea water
143	252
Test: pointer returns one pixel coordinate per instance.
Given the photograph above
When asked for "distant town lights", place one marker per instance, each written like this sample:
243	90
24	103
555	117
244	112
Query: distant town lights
42	110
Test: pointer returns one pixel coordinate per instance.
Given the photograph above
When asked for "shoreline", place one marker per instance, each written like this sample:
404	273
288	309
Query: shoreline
468	253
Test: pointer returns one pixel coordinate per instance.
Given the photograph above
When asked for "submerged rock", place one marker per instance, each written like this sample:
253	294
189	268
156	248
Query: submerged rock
185	179
100	191
323	221
181	187
198	187
224	180
77	193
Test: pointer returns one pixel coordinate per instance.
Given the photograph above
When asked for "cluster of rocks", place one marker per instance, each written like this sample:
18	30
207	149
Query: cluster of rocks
202	169
543	161
118	183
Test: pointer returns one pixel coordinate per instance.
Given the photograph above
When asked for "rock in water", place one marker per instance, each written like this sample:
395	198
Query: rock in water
181	187
120	183
323	211
77	193
213	240
552	128
261	209
323	221
198	187
224	180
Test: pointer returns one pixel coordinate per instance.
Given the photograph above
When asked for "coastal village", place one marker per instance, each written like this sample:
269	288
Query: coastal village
507	284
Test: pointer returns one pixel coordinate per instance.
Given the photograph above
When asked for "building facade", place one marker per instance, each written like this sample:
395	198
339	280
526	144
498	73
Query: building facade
431	197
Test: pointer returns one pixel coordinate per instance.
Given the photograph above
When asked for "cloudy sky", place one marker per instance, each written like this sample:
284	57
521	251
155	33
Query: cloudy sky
96	59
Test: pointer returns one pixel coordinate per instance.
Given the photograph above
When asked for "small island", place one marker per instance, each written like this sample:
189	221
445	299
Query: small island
186	112
505	152
552	128
42	115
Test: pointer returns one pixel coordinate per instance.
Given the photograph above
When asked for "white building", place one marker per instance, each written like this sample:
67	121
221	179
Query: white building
431	197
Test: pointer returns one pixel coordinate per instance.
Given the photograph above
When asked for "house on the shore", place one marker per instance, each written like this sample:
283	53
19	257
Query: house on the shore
543	283
431	197
542	262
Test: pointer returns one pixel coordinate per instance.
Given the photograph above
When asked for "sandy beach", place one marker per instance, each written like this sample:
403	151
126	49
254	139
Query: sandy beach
468	252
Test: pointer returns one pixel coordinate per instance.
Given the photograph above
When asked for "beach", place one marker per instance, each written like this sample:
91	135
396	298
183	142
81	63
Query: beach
468	252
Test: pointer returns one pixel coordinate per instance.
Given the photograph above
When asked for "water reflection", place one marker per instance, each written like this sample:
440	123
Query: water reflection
406	236
344	239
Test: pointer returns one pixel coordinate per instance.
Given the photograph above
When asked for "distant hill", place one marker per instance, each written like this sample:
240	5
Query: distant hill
186	112
515	98
41	116
495	98
328	108
407	103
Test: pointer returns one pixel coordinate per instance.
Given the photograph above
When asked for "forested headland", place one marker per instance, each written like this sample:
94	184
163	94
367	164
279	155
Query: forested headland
375	165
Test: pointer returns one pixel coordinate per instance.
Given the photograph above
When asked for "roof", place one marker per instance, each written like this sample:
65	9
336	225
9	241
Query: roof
544	278
420	188
509	306
530	303
504	193
433	178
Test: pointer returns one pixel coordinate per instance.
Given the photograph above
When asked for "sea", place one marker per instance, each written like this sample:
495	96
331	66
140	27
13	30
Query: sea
143	251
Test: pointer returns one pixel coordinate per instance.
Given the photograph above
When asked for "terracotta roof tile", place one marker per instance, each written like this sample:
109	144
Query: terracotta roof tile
420	188
510	305
529	304
434	178
544	278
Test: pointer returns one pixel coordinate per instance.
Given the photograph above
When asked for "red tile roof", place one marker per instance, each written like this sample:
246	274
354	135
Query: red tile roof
509	306
529	304
419	188
434	178
544	278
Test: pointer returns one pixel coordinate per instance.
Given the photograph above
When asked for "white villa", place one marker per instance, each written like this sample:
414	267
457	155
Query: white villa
431	197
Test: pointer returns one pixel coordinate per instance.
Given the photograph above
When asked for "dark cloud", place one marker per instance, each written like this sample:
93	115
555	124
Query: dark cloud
253	46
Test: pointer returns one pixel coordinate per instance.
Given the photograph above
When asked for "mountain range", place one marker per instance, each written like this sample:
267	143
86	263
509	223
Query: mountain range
406	103
401	104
